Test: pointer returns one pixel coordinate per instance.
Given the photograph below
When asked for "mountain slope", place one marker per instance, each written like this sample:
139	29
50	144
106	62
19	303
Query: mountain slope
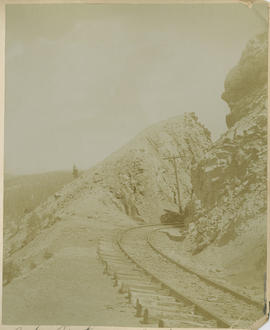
134	183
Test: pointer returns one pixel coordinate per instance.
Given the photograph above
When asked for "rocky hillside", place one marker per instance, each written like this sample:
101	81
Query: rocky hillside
230	188
136	181
222	184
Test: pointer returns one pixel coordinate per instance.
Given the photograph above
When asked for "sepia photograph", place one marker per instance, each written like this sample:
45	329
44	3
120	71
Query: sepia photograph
135	165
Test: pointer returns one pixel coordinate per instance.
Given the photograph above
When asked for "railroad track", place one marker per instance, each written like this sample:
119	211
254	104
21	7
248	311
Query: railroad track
165	293
203	278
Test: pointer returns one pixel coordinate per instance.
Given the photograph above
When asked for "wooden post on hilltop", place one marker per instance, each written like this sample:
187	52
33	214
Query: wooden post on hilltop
129	296
173	158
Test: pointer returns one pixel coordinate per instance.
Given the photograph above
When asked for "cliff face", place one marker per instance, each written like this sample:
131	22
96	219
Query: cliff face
142	180
246	84
230	181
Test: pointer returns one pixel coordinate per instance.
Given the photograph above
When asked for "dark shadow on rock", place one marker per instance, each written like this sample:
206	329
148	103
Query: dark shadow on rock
172	217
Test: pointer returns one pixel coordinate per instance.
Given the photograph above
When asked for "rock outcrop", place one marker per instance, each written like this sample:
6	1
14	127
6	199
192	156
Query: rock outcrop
230	183
246	84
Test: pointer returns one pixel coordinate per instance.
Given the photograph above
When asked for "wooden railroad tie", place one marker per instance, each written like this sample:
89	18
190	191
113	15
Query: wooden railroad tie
160	323
122	288
129	296
105	268
138	308
146	316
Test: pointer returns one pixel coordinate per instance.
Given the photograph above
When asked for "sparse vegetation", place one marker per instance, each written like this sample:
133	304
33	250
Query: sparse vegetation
33	227
32	265
47	255
24	193
10	271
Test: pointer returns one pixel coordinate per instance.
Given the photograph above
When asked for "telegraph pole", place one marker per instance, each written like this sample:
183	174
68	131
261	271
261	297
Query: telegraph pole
173	158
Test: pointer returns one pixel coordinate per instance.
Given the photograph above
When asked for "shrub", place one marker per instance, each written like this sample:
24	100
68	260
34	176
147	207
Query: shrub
10	271
48	255
32	265
33	227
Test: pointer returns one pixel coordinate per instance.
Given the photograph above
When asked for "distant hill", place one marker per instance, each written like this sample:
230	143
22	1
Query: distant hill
23	193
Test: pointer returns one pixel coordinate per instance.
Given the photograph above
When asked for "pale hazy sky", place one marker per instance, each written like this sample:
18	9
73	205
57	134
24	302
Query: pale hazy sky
82	80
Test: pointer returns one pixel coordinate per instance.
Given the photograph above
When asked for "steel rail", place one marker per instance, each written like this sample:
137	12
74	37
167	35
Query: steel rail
201	277
220	322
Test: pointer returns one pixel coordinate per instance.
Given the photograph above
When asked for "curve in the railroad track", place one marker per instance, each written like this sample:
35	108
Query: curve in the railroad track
226	307
202	277
153	300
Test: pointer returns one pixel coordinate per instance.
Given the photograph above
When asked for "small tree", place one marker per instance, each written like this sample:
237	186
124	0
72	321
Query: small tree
75	172
33	227
10	271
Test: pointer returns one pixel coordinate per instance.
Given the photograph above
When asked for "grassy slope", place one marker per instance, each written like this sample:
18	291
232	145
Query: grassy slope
23	193
61	280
